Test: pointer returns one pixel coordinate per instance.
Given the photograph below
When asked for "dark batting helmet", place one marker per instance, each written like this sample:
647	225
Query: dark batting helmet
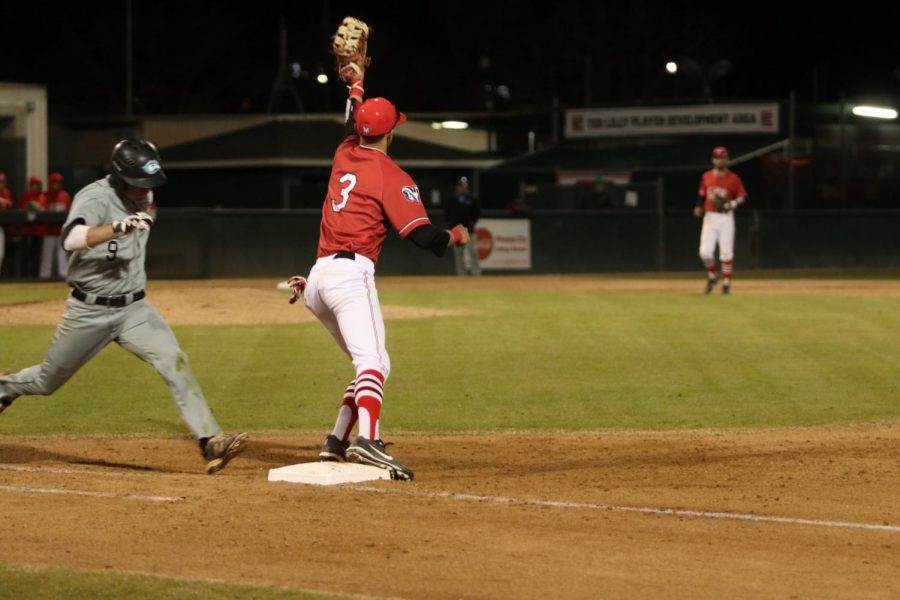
137	163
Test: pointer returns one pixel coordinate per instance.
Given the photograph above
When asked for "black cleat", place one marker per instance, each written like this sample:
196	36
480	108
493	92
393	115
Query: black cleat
220	449
373	452
710	284
4	402
726	288
333	450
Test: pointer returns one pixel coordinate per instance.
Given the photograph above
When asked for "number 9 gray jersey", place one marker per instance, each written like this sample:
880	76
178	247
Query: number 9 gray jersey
114	267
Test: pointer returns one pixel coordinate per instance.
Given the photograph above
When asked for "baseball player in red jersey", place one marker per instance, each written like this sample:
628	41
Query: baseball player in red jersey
367	194
721	192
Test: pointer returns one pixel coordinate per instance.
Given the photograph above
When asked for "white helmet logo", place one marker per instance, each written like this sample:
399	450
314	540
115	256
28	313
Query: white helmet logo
151	167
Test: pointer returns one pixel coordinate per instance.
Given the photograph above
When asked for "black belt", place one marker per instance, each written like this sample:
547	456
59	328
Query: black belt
345	254
115	301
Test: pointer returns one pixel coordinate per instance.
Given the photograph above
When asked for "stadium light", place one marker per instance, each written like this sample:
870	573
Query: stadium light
874	112
449	125
671	67
322	78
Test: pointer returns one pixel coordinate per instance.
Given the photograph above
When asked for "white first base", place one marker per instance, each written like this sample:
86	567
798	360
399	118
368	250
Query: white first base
327	473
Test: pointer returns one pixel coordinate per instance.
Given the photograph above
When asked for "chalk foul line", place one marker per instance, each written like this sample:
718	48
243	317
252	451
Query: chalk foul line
671	512
65	492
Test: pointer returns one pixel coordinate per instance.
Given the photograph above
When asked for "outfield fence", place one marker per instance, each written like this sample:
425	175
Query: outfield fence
205	242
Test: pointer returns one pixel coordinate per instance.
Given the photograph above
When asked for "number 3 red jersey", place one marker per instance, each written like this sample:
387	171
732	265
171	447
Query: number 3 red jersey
367	194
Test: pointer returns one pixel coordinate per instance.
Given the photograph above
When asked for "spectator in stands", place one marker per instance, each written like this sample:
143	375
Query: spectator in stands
518	205
601	195
6	203
464	209
33	201
57	200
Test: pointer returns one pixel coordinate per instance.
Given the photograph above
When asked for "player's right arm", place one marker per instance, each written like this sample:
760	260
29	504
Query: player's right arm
78	236
701	198
85	228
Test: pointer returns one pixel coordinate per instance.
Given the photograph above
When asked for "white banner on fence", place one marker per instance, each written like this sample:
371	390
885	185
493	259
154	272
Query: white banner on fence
700	118
504	243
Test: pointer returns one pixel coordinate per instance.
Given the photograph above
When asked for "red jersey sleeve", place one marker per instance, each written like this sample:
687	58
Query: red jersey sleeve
402	203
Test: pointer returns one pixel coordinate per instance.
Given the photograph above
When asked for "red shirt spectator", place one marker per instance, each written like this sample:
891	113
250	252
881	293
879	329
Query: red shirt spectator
35	201
6	203
6	200
57	200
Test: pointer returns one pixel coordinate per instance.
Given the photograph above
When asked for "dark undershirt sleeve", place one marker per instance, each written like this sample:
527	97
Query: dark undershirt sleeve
431	238
350	123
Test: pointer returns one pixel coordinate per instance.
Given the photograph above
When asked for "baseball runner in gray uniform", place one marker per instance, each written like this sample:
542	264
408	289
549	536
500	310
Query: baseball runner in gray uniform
107	231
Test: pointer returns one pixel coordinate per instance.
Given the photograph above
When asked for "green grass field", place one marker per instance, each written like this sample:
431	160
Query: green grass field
537	360
523	360
53	584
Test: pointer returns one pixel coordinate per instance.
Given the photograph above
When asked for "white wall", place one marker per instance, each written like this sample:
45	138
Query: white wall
26	104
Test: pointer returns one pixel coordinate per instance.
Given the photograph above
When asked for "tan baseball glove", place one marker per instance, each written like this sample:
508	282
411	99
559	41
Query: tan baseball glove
349	45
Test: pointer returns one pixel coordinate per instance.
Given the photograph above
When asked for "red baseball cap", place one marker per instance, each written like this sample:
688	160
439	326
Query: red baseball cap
55	178
377	116
720	152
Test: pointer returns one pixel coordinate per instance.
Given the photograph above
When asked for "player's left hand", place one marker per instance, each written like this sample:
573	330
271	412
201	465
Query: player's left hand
698	211
297	285
349	45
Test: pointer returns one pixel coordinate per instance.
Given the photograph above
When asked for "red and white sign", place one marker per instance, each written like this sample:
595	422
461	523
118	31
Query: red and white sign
504	243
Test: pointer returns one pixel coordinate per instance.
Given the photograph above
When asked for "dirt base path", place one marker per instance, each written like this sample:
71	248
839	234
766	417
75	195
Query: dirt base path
802	513
257	301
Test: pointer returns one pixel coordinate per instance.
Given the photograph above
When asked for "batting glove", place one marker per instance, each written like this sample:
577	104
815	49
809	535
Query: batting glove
145	217
129	224
297	284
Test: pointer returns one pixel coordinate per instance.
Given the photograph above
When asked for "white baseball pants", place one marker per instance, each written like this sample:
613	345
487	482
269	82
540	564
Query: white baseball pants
717	228
52	251
341	293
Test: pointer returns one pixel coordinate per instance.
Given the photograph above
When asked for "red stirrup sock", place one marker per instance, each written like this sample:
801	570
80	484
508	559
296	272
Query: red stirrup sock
369	397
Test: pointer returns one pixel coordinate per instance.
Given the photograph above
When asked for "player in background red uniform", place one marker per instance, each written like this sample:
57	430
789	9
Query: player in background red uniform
367	194
721	192
56	200
32	201
6	203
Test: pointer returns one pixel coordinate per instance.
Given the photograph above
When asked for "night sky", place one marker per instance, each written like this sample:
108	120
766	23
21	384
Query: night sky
211	57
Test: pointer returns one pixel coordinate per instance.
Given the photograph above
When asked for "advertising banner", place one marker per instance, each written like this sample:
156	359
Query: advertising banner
670	120
504	243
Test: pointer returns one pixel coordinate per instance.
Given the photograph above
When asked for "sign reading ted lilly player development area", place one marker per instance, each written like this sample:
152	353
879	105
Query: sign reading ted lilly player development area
504	243
695	119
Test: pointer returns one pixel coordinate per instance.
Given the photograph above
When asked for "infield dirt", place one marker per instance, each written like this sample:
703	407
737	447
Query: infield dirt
464	528
490	515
